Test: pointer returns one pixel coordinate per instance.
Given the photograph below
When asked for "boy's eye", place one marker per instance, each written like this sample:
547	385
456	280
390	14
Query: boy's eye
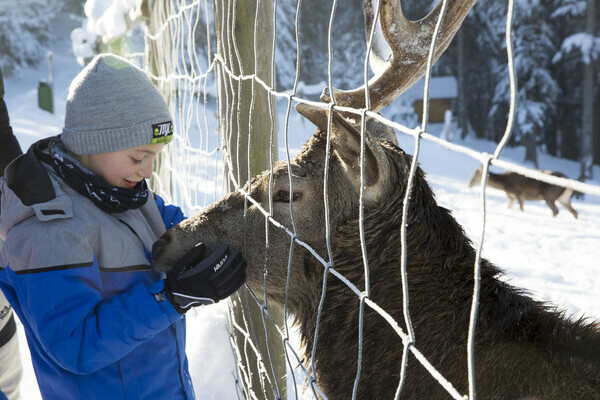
136	161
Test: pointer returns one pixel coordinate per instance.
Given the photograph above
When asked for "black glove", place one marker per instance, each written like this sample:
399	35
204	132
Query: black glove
195	281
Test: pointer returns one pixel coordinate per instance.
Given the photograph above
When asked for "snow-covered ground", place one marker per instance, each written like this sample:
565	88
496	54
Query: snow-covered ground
556	259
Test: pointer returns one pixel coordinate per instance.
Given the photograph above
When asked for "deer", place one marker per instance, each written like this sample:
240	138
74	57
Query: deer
523	348
520	188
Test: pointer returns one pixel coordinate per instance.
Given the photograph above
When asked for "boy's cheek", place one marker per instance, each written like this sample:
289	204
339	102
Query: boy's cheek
114	180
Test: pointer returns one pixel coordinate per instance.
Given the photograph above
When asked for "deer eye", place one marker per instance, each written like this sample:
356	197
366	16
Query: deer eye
284	196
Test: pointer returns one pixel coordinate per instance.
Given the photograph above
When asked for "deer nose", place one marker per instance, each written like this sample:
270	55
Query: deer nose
158	247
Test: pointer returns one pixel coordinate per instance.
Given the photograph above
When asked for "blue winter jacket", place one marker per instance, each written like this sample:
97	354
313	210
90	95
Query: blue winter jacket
82	283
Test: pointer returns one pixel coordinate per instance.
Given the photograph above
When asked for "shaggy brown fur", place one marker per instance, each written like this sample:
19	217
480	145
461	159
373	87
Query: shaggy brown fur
524	348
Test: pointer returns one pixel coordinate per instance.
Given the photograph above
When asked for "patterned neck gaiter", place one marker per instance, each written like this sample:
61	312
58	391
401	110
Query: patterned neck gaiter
109	198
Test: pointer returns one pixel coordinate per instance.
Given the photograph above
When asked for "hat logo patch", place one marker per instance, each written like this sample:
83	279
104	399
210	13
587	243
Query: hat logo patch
162	132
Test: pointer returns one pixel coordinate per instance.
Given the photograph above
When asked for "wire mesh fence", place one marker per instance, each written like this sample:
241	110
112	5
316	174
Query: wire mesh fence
193	54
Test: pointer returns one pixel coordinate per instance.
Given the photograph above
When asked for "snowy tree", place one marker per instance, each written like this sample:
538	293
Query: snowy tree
538	92
483	35
579	52
26	32
347	40
285	52
550	50
73	7
349	45
533	48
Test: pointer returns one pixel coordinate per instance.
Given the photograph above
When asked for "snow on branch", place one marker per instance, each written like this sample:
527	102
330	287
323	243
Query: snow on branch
588	45
571	9
107	21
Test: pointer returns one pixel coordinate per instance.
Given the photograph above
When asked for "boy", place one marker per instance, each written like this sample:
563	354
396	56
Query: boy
79	223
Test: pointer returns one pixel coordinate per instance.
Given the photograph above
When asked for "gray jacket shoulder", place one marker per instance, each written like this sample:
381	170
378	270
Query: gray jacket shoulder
68	229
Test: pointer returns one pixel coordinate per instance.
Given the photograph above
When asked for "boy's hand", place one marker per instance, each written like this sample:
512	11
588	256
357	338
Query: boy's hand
196	281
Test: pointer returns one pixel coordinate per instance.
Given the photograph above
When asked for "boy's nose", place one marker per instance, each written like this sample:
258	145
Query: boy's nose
146	171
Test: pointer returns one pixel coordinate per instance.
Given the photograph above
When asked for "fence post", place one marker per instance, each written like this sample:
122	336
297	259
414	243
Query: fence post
235	105
159	58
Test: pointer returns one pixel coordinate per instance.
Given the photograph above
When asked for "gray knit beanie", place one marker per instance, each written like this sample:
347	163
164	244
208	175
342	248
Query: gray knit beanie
112	105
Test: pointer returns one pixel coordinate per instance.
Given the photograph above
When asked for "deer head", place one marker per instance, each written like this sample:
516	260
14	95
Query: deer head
476	177
226	220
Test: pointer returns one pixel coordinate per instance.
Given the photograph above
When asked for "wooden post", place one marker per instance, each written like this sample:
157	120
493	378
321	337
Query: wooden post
159	56
247	121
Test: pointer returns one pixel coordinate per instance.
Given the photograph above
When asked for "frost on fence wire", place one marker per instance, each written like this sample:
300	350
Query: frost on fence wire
181	57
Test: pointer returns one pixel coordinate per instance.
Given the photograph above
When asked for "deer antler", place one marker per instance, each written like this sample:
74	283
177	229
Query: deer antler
409	42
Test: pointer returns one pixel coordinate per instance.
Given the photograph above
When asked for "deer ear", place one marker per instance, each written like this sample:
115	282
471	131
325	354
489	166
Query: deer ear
316	115
345	140
346	143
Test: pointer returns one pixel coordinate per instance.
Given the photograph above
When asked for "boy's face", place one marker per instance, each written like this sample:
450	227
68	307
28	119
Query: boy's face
123	168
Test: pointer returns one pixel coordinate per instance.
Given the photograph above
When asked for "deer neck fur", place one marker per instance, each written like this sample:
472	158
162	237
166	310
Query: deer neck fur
440	264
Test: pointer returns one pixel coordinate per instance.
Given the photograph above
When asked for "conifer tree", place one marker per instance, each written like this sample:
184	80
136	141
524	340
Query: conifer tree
26	32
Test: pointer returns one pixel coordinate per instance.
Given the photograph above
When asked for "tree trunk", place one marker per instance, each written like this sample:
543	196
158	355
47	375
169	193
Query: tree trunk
586	149
462	94
248	128
596	132
531	149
